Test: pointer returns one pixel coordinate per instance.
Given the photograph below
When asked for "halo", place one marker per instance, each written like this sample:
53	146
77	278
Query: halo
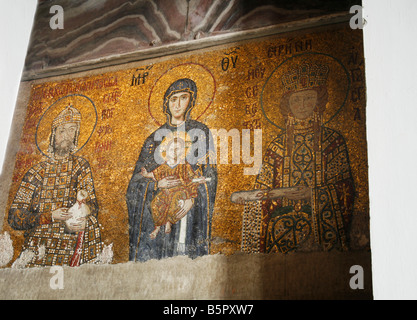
88	121
338	86
206	90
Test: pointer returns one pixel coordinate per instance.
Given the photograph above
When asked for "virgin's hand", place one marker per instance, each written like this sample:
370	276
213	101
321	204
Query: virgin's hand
188	204
168	182
61	214
144	173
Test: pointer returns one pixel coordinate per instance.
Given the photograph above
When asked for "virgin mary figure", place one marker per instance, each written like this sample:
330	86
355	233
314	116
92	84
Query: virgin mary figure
191	234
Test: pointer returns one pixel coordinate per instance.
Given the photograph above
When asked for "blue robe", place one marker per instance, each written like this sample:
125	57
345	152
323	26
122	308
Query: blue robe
142	190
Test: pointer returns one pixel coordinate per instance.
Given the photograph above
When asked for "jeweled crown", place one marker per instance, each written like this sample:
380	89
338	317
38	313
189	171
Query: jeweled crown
306	76
69	114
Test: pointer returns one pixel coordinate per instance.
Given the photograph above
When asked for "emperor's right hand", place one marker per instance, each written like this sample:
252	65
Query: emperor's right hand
61	214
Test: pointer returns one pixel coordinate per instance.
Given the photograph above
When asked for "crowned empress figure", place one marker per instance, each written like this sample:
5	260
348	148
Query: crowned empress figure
309	164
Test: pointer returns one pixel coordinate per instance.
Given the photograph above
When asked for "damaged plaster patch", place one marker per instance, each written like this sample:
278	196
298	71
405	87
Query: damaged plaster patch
6	249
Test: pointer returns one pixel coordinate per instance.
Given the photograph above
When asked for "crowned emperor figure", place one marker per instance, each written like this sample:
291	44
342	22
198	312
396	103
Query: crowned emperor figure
41	205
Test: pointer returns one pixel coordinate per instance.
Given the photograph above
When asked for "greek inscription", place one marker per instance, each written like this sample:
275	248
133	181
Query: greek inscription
74	87
252	124
107	113
31	124
357	114
25	163
356	75
256	73
226	62
357	94
252	92
104	130
102	162
140	75
103	146
251	109
354	58
289	48
112	97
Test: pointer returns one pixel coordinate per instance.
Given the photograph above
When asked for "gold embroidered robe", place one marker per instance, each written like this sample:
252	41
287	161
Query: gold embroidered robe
47	186
284	225
165	204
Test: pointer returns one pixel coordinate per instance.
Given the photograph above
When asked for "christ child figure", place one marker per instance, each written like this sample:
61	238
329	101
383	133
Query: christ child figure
168	202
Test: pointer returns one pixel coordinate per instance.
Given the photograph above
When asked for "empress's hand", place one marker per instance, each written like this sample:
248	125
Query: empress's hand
61	214
240	200
301	193
188	204
77	226
168	182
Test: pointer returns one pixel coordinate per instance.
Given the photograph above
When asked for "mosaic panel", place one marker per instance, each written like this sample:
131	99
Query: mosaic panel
259	146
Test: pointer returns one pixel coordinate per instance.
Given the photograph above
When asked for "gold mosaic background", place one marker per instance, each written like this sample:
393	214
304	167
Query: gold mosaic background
230	80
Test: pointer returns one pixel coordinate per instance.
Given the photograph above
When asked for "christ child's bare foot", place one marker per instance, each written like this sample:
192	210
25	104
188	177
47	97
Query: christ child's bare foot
155	232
